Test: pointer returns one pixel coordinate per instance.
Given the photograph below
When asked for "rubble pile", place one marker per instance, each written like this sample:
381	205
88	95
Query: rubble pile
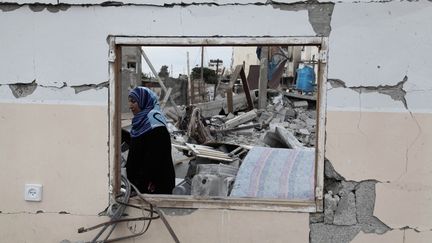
217	145
258	127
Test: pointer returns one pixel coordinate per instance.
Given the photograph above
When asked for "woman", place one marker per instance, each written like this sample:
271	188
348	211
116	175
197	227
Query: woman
149	164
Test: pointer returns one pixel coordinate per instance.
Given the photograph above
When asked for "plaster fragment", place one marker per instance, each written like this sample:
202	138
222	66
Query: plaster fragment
20	90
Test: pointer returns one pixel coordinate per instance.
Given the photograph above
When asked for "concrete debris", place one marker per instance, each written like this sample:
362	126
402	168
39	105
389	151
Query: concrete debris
288	138
211	136
330	205
348	209
345	213
301	104
241	119
365	198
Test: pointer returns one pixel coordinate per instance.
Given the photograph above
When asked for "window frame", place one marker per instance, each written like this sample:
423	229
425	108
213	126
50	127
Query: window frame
174	201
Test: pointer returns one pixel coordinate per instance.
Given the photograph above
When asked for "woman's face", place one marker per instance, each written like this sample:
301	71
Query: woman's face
133	106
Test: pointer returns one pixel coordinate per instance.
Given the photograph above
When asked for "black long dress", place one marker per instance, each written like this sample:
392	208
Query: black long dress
149	164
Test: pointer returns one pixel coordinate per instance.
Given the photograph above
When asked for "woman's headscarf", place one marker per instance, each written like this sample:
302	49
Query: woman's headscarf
150	115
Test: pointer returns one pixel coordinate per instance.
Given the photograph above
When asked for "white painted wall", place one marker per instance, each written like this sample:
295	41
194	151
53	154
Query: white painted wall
70	47
375	44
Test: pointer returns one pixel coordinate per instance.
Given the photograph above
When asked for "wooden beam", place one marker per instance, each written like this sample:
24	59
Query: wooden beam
233	78
165	99
321	122
263	80
159	80
116	129
246	88
215	41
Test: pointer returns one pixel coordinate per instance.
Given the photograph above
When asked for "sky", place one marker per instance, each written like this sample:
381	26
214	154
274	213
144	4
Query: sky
176	58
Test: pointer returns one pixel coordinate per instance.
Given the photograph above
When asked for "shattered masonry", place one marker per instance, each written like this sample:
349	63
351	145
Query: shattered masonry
348	209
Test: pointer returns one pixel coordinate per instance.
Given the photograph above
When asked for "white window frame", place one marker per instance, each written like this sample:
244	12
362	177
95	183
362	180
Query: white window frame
174	201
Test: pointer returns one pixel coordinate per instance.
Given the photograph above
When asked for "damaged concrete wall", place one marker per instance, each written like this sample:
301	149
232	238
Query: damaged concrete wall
53	81
379	113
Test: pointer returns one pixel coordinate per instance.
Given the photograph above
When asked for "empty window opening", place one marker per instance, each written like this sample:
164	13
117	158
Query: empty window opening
225	125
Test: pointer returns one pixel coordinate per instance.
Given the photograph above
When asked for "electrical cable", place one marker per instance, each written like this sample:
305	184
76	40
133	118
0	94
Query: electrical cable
116	211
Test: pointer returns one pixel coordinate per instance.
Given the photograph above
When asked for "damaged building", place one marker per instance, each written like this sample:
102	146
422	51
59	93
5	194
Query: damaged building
266	158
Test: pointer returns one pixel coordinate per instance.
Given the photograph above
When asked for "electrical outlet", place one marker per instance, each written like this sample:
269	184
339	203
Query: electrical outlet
33	192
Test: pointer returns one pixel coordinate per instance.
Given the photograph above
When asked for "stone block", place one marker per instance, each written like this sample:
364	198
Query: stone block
330	205
346	211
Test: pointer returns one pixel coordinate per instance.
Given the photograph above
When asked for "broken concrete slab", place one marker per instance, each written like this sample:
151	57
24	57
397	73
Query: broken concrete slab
316	218
288	138
238	120
300	104
273	140
365	200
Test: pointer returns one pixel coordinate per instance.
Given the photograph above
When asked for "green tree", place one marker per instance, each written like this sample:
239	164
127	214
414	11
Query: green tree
210	76
163	73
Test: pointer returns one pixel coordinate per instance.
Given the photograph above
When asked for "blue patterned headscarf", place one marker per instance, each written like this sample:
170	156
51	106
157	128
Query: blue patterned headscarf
150	115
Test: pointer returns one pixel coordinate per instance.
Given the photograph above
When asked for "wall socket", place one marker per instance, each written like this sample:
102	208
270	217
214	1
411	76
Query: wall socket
33	192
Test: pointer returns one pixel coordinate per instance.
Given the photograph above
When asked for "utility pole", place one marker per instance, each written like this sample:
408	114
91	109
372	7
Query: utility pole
263	78
217	77
171	71
190	85
202	72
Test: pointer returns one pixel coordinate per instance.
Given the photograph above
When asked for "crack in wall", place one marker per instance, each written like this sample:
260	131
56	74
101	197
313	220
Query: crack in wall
21	90
45	212
35	7
319	14
85	87
396	92
348	209
412	143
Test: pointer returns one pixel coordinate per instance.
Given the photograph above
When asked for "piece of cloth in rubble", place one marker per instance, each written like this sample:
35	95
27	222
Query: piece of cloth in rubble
150	115
275	63
277	173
